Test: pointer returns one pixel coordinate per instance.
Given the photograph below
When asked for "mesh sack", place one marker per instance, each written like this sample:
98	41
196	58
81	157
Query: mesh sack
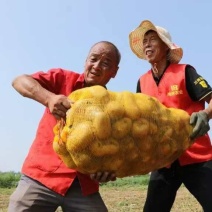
122	132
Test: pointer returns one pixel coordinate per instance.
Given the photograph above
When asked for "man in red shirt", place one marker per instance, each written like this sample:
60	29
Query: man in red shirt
46	182
178	86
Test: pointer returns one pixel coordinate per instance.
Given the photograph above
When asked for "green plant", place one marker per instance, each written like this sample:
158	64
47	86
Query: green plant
9	179
141	180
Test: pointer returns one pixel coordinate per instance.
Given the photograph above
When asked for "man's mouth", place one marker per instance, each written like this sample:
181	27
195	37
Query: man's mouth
149	52
94	74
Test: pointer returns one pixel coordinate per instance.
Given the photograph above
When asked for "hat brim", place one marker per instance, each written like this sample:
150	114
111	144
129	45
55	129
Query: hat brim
136	42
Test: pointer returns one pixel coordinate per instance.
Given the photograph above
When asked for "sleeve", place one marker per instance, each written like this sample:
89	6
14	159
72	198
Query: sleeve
138	90
51	80
196	85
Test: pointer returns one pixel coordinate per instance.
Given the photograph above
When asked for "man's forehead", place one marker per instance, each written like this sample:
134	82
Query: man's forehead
102	51
102	55
150	32
102	47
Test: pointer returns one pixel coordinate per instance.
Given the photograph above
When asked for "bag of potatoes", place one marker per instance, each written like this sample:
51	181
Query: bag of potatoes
121	132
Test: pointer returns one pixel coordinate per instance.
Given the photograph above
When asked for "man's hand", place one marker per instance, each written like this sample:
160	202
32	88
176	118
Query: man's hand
58	106
103	177
200	122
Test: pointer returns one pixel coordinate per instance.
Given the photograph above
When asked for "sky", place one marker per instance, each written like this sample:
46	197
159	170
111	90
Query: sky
44	34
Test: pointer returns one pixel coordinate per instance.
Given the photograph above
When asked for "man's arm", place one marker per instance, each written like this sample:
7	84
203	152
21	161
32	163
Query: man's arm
28	87
208	110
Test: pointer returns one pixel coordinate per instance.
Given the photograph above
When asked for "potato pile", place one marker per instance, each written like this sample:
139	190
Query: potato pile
122	132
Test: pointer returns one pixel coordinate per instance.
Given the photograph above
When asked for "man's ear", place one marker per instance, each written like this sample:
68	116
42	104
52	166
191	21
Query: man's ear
115	72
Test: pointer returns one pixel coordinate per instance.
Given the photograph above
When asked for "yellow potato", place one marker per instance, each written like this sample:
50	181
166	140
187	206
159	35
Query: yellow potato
131	109
121	128
102	148
102	125
81	137
115	110
121	132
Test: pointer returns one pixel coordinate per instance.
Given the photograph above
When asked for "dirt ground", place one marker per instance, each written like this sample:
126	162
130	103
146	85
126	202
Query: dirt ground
132	200
127	199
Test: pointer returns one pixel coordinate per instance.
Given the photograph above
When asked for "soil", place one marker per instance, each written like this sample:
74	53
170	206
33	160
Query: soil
127	199
132	200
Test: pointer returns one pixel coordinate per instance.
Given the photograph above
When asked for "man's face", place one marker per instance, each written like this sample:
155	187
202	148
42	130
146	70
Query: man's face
101	65
154	48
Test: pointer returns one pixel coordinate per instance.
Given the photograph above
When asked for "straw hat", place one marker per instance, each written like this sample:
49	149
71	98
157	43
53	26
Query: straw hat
137	35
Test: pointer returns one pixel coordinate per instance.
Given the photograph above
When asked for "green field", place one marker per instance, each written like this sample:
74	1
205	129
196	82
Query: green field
126	195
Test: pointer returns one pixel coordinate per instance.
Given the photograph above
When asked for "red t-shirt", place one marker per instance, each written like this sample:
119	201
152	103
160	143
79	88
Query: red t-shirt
42	163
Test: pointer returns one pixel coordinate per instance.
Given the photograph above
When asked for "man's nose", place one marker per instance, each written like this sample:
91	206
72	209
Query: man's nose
97	65
147	43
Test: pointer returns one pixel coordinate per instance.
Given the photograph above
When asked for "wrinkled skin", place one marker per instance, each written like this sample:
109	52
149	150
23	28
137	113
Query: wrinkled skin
155	49
100	65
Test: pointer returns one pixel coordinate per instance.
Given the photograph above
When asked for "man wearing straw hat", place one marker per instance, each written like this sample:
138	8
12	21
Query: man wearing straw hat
179	86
